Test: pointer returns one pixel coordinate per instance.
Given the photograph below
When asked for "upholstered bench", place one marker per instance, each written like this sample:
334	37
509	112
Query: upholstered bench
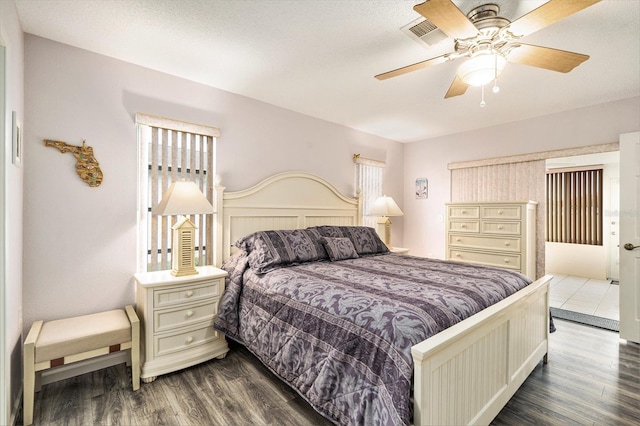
64	341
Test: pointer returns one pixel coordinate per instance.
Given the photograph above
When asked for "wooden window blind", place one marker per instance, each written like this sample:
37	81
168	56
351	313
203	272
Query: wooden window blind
171	150
574	206
368	182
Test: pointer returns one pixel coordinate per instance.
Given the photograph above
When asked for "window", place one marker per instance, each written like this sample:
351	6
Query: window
368	182
170	150
574	206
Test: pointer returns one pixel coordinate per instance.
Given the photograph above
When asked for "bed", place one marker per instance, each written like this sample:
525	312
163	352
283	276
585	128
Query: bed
462	374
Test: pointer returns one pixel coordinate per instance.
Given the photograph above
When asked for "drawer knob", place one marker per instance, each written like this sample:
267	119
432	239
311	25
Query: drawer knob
458	240
189	314
458	255
500	227
189	340
507	243
507	261
189	293
463	226
499	211
463	212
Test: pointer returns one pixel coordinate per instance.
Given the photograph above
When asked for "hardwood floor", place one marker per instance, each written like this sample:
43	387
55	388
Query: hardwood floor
591	379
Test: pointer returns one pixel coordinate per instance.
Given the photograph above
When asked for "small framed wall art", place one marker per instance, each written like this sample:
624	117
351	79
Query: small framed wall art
422	188
16	140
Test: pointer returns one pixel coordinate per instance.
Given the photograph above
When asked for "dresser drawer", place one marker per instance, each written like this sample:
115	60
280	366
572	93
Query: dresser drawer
500	212
464	226
505	228
168	319
510	261
464	212
192	293
167	344
491	243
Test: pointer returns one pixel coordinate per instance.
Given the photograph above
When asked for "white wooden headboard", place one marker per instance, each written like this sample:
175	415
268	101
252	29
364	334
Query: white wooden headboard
289	200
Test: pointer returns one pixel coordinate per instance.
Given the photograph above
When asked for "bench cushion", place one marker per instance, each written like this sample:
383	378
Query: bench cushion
70	336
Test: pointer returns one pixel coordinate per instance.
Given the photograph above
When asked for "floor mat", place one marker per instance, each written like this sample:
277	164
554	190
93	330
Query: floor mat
606	323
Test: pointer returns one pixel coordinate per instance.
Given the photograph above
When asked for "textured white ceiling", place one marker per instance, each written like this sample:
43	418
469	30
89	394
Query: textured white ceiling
320	57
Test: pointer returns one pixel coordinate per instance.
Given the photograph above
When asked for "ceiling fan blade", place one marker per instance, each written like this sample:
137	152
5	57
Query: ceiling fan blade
546	57
414	67
446	16
547	14
457	88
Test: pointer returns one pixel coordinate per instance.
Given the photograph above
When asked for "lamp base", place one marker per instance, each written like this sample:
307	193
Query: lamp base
384	230
182	248
183	272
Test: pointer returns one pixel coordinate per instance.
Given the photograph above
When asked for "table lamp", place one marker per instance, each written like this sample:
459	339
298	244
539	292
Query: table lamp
385	207
183	198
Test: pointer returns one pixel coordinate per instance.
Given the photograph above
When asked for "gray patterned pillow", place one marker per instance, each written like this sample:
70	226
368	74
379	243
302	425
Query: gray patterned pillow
365	239
269	250
339	248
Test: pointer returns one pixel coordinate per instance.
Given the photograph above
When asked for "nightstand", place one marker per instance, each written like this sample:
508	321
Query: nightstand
176	315
399	250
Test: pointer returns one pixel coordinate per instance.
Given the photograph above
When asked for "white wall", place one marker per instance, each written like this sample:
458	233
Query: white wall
80	242
579	260
11	217
424	232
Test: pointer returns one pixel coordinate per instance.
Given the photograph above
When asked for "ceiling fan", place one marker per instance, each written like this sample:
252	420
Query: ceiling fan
490	41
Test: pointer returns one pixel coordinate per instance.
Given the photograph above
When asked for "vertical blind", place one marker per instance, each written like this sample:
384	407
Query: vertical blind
172	150
368	182
574	206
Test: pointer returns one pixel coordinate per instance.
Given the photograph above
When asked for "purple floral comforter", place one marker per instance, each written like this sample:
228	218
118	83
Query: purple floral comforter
340	333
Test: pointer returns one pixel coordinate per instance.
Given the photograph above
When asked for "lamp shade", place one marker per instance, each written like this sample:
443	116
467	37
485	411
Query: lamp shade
183	197
385	206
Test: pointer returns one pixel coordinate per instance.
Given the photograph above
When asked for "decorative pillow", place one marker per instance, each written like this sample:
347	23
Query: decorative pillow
269	250
339	248
364	238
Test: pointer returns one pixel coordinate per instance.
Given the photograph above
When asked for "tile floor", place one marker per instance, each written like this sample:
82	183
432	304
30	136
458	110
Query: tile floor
585	295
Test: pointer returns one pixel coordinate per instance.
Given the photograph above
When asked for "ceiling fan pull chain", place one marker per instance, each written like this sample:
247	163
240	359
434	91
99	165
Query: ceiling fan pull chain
482	102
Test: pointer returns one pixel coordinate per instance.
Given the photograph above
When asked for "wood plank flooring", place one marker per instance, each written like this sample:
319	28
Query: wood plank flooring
591	379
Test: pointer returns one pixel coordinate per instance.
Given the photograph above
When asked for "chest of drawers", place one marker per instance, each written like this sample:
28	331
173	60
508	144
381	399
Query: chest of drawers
177	316
496	234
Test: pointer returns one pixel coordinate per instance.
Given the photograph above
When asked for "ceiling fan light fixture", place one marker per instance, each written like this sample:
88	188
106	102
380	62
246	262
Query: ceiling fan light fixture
481	68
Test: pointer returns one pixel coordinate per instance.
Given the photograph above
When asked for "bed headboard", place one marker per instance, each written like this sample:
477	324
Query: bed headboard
289	200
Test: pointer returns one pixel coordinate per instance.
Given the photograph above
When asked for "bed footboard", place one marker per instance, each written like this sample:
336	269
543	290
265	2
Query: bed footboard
467	373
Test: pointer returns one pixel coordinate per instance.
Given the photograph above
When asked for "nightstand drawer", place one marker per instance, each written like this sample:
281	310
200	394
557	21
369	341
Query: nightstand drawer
192	293
172	343
492	243
511	261
506	228
173	318
464	226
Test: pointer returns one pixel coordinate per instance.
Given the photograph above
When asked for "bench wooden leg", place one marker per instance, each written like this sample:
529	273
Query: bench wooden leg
30	372
135	346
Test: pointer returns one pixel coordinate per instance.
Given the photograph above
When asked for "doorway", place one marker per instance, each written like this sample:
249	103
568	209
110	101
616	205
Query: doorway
586	277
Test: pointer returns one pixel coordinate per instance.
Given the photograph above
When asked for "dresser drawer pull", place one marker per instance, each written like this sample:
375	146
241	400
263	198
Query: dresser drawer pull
463	226
189	340
500	227
458	255
189	314
189	293
507	243
499	211
458	240
507	261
